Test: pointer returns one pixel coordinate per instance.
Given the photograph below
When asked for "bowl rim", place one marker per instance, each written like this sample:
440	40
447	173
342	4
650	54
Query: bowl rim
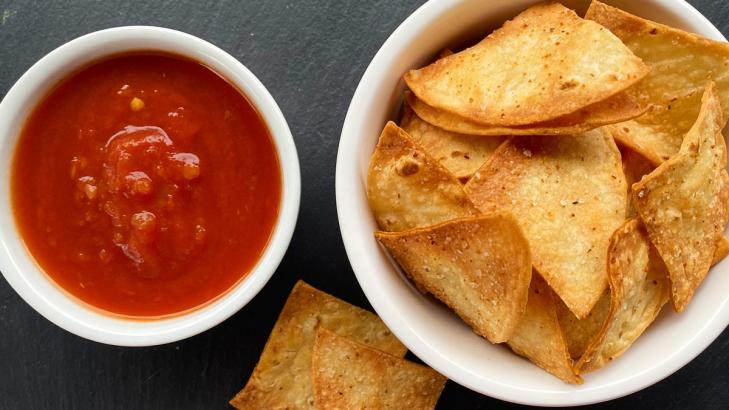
18	266
348	178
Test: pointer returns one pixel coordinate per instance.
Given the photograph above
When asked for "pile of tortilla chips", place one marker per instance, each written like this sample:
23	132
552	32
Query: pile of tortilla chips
324	353
559	182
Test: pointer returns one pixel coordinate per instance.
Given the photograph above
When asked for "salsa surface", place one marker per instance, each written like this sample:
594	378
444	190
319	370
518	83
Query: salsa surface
146	185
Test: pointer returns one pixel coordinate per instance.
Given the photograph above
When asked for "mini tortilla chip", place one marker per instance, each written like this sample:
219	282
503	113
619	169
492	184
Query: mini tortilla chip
638	287
282	377
684	202
539	337
479	266
557	64
579	333
621	107
350	375
635	167
407	188
569	195
461	154
680	63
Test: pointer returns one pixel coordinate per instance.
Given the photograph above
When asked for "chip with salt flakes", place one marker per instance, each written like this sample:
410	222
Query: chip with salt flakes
578	333
461	154
407	188
479	266
539	337
282	377
621	107
350	375
569	195
557	64
684	202
635	167
638	290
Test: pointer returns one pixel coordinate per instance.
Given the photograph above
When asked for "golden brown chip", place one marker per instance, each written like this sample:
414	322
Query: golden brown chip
479	266
407	188
635	167
621	107
684	202
578	333
350	375
557	64
722	250
282	377
461	154
638	287
539	337
681	63
569	195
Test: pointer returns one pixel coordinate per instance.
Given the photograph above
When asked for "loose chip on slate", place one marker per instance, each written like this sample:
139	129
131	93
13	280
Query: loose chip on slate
680	63
684	202
569	195
621	107
461	154
539	337
350	375
479	266
638	287
407	188
635	167
579	333
557	64
282	377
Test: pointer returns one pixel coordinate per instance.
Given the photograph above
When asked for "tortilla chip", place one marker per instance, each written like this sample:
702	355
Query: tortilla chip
407	188
539	337
350	375
638	287
578	333
635	167
684	202
460	154
569	195
282	377
479	266
681	63
722	250
621	107
557	64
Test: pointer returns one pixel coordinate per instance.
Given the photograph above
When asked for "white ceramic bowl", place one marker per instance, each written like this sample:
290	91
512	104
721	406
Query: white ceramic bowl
18	266
432	332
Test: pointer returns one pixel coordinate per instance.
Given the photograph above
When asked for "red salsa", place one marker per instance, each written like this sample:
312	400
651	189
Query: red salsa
146	185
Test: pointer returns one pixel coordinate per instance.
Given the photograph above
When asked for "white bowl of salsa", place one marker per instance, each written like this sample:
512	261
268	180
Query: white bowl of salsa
152	186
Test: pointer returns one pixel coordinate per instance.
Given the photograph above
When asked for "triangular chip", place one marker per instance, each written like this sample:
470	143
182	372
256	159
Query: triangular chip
539	337
350	375
479	266
621	107
635	167
407	188
684	202
569	196
557	64
282	377
638	287
722	250
680	63
578	333
658	133
461	154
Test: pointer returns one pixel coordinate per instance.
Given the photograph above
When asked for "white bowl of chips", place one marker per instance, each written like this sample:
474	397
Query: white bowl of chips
429	329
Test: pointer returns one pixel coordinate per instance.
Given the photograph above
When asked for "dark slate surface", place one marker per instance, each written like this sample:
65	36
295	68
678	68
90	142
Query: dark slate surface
310	54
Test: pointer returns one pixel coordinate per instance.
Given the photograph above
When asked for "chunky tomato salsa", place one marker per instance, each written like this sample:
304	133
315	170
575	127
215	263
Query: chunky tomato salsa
146	185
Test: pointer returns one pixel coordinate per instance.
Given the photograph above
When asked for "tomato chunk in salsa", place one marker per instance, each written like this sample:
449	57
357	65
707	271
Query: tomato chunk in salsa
146	185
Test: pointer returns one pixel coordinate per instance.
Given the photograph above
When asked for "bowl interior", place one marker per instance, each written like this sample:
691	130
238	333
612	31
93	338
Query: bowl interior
430	330
17	264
